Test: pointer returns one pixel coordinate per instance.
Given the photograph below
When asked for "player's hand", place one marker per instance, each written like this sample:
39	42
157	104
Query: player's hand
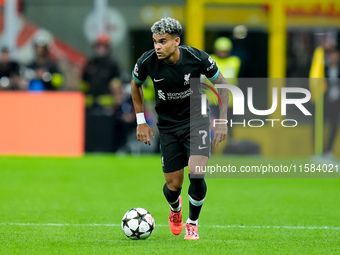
220	134
143	133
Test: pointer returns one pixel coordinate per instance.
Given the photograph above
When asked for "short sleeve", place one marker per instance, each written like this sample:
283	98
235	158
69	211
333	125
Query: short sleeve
139	72
209	67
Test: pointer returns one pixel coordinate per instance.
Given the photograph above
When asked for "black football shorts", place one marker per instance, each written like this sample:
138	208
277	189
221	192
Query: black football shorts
178	146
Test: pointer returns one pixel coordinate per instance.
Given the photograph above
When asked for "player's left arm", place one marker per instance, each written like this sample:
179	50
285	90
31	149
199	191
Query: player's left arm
221	129
210	70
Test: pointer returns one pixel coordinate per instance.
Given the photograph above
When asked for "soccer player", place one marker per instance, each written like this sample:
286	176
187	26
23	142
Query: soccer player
184	137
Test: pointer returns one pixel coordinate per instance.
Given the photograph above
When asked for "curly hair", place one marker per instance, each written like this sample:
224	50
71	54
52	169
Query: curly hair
167	25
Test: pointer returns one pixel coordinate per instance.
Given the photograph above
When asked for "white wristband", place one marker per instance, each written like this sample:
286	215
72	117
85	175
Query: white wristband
140	118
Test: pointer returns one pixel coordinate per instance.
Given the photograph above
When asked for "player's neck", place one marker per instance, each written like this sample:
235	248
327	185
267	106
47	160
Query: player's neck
173	58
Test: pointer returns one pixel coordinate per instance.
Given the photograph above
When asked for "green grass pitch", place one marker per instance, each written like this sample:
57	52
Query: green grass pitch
75	206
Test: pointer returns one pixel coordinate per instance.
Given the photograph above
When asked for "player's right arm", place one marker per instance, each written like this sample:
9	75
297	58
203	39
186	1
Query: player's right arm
143	129
139	74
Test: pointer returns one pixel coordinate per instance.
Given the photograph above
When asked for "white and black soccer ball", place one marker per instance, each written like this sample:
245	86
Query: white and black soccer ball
138	223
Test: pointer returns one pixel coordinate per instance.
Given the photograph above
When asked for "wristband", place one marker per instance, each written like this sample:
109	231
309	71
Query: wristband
140	118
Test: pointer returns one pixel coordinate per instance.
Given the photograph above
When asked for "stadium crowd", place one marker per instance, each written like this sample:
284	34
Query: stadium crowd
108	100
107	88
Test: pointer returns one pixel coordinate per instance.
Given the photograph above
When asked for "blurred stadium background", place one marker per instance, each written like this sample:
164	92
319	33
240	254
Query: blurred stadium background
273	39
58	193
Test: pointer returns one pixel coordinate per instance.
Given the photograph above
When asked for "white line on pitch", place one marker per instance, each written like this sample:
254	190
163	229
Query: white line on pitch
276	227
164	225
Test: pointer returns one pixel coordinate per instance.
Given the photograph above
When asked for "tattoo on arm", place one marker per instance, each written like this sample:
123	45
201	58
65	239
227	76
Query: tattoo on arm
220	79
224	95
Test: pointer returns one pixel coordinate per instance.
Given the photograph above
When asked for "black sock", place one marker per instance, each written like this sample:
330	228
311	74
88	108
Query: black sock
172	196
197	191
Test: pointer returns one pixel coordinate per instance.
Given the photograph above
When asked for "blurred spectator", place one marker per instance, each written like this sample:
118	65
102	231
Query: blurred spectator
101	75
332	95
9	72
229	66
124	121
298	53
46	72
108	114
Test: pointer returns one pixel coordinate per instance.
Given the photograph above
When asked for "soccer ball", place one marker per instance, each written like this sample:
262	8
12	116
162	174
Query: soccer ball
138	223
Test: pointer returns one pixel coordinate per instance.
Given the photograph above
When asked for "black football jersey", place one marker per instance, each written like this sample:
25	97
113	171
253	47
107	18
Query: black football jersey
172	84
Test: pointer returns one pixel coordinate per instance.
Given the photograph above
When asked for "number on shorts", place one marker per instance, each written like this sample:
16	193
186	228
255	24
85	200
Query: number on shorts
204	136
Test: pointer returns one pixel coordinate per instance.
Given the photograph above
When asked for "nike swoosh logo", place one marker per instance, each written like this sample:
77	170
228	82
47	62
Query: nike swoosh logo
158	80
202	147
